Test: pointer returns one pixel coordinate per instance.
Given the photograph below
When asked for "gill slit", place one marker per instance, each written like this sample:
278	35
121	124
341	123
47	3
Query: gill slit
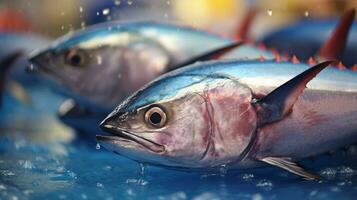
210	129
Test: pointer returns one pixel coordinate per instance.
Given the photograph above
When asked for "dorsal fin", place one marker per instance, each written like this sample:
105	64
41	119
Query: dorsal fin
210	55
333	48
354	67
5	65
311	61
340	65
278	58
295	60
279	102
242	31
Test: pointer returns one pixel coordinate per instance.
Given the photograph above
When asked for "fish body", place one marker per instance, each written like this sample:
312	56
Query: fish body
306	37
118	58
127	54
205	116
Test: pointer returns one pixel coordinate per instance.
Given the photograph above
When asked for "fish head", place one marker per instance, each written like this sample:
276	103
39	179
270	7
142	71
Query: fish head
101	65
182	120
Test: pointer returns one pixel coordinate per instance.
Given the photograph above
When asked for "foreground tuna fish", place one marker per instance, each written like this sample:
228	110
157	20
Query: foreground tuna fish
236	114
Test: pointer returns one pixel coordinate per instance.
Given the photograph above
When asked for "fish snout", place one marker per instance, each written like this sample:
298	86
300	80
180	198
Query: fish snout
36	60
114	123
109	124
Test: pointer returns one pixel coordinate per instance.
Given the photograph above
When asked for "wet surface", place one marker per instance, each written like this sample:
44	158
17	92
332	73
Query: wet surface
44	169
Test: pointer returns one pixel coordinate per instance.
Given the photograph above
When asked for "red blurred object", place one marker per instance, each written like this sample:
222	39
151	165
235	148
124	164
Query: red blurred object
13	21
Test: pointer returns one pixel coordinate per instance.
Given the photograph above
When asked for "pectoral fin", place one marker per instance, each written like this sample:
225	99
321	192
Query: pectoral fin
278	103
287	164
214	54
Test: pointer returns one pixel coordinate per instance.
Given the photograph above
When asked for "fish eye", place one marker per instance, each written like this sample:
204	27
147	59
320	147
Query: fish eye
155	117
76	58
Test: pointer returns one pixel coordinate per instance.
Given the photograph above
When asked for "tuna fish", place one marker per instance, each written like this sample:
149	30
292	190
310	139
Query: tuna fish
238	114
306	37
128	55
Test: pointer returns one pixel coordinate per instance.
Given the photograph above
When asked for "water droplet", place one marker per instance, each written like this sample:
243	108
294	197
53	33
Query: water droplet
105	11
84	196
71	174
83	24
27	192
62	27
130	192
100	185
7	173
306	13
329	172
257	197
142	169
137	181
99	62
26	164
129	2
265	185
168	2
31	68
270	12
223	170
80	9
117	2
97	13
247	177
97	146
335	189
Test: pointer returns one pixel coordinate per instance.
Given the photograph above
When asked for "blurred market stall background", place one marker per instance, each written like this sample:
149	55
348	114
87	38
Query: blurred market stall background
219	16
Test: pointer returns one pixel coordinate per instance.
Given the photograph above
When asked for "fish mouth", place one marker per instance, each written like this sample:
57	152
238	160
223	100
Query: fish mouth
124	136
37	66
35	58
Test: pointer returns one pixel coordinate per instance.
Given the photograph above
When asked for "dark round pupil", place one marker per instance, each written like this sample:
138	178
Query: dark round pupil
75	59
155	118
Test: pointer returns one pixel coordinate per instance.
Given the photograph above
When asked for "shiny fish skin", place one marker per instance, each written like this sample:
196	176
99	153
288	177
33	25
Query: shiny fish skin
126	55
216	98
